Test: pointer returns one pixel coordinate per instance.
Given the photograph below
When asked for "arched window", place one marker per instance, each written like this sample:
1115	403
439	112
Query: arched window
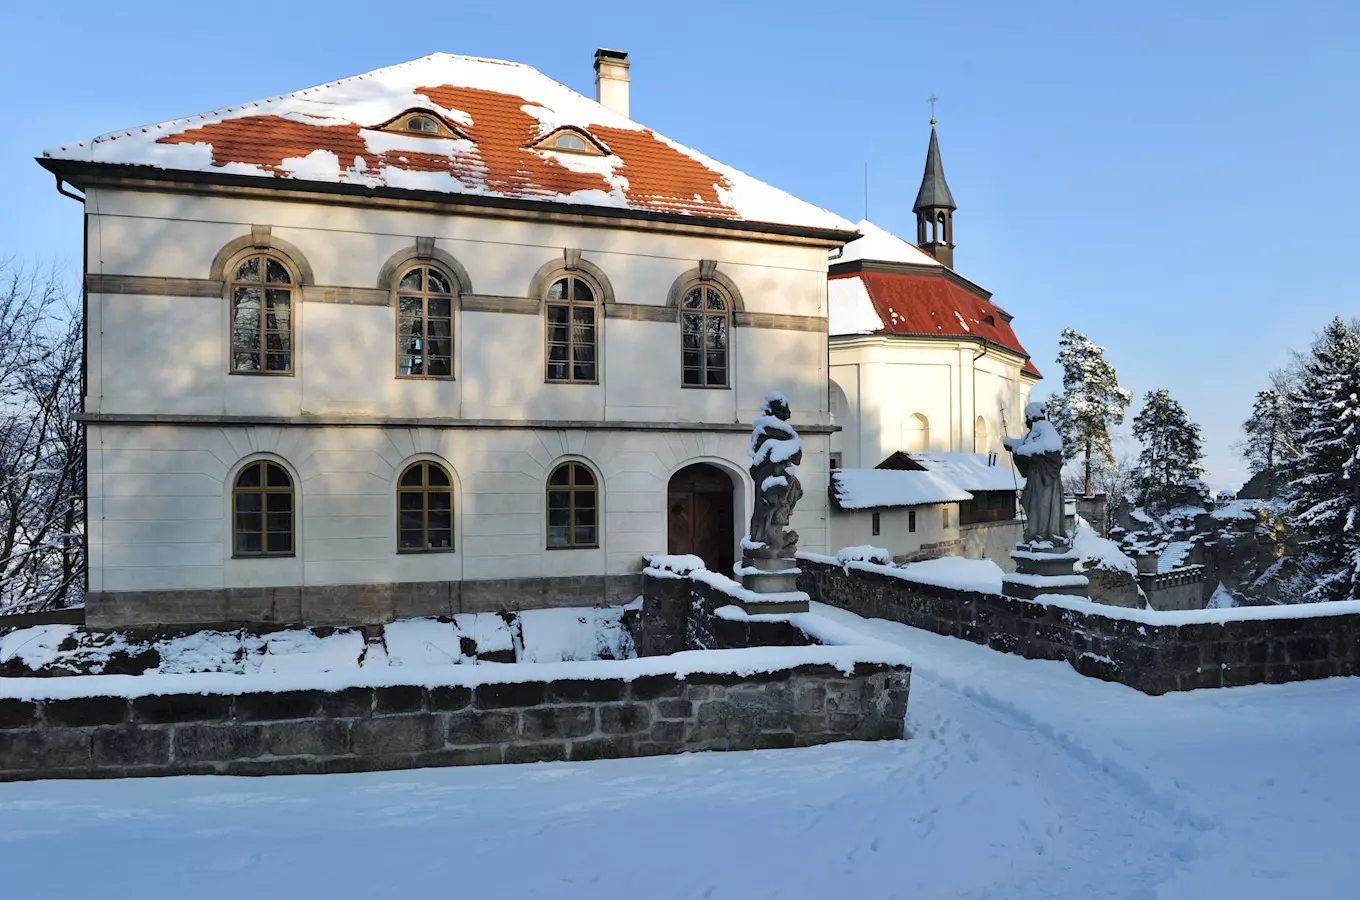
572	334
424	324
262	511
573	509
982	441
422	124
916	433
424	508
704	329
262	317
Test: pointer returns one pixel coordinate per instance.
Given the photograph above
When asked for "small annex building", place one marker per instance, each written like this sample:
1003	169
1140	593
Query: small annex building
443	337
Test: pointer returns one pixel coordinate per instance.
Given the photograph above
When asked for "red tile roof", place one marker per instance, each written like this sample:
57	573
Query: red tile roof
334	133
928	303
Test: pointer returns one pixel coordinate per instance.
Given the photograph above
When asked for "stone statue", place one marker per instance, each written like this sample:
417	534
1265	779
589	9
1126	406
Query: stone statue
1038	456
776	452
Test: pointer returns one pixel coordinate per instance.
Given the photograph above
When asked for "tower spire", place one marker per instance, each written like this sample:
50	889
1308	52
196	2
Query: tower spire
934	206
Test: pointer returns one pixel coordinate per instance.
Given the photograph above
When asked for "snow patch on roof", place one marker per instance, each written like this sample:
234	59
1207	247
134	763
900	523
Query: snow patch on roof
882	245
875	488
849	307
970	471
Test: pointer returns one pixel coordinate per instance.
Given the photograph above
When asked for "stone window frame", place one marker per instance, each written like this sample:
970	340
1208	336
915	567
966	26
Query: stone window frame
262	243
425	295
706	314
264	490
571	265
707	274
424	490
572	489
424	253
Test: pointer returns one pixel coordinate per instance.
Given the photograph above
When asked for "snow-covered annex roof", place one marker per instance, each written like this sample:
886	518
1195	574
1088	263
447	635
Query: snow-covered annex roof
495	112
878	488
904	290
970	471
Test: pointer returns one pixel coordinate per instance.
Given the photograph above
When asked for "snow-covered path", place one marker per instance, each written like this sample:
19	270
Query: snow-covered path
1022	780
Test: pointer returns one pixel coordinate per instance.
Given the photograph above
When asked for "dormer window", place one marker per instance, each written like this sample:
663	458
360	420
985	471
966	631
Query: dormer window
422	123
569	140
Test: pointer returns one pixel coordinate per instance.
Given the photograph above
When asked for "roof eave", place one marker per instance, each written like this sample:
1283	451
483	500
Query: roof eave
83	175
955	338
855	266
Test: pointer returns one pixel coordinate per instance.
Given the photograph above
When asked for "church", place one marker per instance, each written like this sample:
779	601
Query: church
443	337
927	376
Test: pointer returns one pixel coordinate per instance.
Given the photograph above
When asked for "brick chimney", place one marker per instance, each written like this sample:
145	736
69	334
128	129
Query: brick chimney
611	80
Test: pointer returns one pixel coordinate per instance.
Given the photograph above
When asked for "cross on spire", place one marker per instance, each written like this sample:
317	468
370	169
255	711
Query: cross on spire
931	100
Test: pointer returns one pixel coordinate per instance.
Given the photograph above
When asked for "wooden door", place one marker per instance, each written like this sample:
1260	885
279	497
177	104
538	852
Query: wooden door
700	516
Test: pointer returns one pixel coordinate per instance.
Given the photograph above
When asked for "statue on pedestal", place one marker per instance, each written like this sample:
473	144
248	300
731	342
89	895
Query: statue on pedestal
1038	456
776	451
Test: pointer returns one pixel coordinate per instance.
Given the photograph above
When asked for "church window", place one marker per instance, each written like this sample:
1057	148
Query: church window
572	339
705	326
262	317
573	507
424	509
262	511
424	324
911	521
877	524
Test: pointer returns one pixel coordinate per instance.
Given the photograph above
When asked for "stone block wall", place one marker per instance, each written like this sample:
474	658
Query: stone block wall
679	614
1154	659
365	729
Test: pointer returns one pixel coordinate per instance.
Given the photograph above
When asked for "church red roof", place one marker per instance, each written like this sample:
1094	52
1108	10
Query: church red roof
929	303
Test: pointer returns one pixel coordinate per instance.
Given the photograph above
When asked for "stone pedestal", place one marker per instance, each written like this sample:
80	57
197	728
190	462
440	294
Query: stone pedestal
777	578
1041	570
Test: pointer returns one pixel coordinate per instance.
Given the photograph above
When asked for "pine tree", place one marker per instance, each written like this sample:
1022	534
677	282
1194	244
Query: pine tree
1172	448
1269	435
1322	484
1090	403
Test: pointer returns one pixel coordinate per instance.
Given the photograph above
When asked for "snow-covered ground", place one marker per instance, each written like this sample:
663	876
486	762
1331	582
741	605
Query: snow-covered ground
1021	780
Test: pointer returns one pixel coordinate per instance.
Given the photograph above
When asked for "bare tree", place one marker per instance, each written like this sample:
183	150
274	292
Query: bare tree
42	465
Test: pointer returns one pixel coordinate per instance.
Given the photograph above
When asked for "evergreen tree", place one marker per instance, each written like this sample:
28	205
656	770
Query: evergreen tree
1269	435
1172	448
1090	402
1322	484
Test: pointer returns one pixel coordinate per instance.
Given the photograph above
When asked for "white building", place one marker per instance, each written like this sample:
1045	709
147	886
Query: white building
511	342
923	362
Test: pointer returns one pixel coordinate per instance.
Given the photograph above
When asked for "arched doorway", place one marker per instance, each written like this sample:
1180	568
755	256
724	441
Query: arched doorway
699	506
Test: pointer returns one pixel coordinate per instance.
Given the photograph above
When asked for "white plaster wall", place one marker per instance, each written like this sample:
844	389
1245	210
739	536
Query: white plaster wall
886	380
854	528
169	354
160	501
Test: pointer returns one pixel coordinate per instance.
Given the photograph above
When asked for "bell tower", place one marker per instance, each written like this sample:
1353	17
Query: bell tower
935	207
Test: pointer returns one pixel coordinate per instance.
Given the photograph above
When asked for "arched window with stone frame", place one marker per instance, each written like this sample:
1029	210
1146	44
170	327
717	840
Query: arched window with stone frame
705	336
263	291
573	507
572	310
263	511
424	508
426	296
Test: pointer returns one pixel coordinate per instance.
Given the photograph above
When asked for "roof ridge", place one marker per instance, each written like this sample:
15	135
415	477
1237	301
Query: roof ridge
221	111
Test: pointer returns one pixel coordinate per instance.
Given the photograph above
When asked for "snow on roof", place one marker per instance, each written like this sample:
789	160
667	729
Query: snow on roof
881	245
875	488
849	308
496	111
970	471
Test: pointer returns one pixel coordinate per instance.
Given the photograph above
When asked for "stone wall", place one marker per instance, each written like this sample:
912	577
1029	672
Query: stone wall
679	614
365	729
1152	658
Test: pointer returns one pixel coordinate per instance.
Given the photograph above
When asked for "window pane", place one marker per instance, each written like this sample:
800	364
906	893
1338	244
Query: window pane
583	316
582	476
439	284
437	476
691	376
411	477
280	542
715	300
559	536
558	371
558	518
441	539
692	359
410	282
249	542
691	324
693	299
717	326
278	362
557	353
583	372
278	476
412	520
279	314
584	537
440	520
439	501
410	500
440	308
585	517
581	292
275	273
439	366
413	539
249	270
249	477
559	290
717	377
585	351
279	523
278	502
558	315
560	475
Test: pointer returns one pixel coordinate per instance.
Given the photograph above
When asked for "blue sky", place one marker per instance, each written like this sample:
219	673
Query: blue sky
1176	179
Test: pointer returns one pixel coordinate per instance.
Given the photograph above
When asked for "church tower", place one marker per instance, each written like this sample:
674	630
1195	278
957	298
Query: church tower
935	208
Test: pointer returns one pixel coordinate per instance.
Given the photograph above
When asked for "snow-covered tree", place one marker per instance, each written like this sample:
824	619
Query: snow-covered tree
1090	403
1172	448
1322	483
1269	434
